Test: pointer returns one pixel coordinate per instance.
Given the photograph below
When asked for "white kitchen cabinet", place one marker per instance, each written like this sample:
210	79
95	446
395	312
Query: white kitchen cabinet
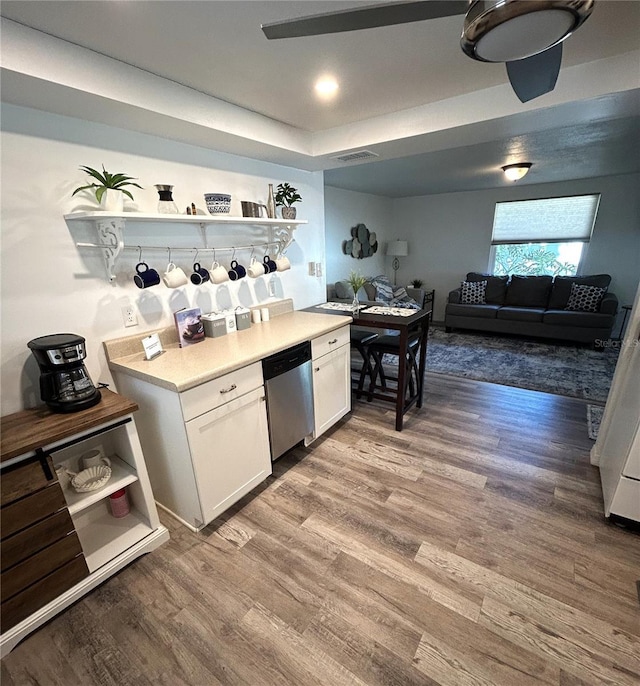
331	379
205	447
230	451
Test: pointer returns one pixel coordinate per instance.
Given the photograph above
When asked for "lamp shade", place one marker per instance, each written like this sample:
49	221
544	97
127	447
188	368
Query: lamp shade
398	248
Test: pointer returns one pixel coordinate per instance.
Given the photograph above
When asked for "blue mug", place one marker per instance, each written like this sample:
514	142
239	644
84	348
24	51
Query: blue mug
145	276
200	274
269	265
237	271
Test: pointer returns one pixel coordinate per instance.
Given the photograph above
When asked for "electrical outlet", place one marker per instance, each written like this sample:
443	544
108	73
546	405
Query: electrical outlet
129	316
272	288
312	268
318	268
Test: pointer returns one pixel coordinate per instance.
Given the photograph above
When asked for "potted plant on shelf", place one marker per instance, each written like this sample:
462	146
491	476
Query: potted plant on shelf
416	283
109	188
356	281
286	196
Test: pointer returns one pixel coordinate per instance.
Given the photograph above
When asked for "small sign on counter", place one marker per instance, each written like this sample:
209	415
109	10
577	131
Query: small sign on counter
152	346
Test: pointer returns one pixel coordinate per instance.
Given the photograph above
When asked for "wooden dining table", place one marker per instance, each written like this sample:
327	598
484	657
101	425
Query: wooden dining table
418	321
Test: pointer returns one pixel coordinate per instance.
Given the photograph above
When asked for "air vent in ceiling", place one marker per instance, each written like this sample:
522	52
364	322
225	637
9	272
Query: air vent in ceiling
353	156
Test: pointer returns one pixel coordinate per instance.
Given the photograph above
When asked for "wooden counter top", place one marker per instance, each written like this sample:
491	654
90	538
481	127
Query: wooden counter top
27	430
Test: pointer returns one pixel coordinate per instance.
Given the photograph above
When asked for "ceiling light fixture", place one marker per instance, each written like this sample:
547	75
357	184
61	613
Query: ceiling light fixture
514	172
498	31
326	87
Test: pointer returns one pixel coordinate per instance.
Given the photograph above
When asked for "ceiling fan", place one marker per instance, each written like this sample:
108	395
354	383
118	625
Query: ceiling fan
525	34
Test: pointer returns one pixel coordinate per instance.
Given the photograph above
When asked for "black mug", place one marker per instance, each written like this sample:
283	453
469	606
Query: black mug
269	265
145	276
237	271
200	274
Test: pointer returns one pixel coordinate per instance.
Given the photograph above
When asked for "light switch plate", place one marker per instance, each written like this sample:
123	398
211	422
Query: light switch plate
312	268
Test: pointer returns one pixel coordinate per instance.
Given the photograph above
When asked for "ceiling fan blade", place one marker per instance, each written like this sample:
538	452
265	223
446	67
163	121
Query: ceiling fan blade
535	75
364	18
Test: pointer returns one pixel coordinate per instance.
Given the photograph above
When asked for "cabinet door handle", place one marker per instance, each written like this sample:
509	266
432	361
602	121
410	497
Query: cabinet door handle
317	369
335	340
228	390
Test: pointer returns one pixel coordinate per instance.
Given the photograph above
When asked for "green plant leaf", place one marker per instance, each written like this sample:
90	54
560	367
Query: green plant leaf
83	188
100	191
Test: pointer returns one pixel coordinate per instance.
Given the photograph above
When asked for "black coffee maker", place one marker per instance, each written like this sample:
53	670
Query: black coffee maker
65	385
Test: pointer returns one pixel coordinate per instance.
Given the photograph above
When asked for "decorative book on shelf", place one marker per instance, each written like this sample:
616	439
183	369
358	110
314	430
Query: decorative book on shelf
189	325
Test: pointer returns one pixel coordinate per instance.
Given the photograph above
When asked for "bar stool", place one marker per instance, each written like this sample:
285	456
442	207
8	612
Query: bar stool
360	340
390	345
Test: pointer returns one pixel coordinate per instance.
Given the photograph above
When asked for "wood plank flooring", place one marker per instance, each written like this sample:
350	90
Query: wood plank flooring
469	549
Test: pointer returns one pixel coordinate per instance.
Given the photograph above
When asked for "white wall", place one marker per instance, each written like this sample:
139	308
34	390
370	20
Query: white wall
344	209
450	234
49	285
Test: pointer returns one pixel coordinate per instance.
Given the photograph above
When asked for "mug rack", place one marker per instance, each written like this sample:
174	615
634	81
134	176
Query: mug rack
111	229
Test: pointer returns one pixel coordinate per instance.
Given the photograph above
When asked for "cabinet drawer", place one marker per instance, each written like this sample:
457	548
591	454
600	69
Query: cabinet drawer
28	542
329	341
31	509
212	394
39	565
42	592
24	478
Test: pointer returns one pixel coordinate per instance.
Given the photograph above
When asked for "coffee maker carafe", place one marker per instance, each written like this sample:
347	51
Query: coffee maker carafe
65	385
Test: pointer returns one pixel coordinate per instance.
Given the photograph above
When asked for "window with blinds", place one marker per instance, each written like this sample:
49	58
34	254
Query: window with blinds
545	236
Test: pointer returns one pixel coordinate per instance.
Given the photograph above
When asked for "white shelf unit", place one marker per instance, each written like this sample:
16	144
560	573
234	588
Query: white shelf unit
104	536
121	475
111	230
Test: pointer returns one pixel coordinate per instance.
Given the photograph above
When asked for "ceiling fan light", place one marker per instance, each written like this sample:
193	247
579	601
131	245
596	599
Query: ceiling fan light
514	172
510	30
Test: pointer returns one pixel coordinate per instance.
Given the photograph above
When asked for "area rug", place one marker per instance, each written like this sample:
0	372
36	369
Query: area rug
594	417
564	369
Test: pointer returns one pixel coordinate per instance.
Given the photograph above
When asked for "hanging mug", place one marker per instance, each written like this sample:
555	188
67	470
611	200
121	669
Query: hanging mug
174	277
256	269
282	263
218	274
200	274
237	271
145	276
269	265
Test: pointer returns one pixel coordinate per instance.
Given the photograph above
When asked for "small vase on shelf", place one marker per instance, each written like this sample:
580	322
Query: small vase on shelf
271	203
165	203
112	201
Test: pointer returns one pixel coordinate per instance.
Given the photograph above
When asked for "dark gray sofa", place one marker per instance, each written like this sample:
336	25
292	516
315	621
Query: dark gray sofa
534	306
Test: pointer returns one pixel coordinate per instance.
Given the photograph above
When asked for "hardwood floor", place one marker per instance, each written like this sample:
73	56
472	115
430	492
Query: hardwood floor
469	549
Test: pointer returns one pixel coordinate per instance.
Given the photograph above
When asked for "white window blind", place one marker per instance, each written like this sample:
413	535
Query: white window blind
549	220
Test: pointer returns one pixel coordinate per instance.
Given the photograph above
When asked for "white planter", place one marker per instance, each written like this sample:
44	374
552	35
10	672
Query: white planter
112	201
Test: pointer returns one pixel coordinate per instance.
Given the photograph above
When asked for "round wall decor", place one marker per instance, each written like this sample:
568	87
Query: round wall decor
362	243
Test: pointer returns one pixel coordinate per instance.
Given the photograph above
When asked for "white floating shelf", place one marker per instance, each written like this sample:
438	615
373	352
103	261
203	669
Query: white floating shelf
111	227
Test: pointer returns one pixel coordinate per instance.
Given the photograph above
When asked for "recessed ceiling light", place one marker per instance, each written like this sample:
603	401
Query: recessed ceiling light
326	87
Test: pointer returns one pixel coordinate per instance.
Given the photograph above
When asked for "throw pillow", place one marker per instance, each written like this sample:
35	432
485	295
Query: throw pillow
496	286
344	290
562	287
585	298
384	289
402	299
528	291
473	292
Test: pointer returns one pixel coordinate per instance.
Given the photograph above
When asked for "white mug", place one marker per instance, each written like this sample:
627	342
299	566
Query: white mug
256	268
282	263
63	476
174	276
218	274
94	458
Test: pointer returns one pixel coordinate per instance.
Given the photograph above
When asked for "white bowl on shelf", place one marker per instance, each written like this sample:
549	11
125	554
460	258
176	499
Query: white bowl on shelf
91	479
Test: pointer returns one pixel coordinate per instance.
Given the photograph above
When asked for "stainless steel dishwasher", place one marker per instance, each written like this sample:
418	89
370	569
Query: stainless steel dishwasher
287	381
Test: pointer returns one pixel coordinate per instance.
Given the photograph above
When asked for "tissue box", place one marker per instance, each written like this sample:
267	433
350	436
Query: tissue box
230	320
243	318
215	325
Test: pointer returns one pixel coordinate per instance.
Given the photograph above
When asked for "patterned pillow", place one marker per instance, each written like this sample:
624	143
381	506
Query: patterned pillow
384	289
585	298
473	292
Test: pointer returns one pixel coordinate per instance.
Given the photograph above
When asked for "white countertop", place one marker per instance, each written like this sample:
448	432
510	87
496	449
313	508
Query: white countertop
179	369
